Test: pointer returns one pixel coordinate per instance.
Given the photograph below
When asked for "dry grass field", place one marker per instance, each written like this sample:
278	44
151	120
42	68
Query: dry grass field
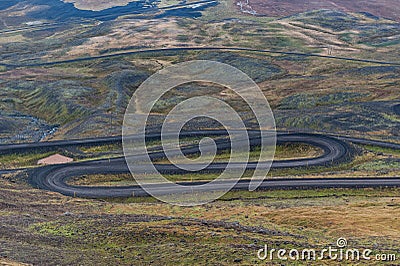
45	228
96	5
386	8
87	98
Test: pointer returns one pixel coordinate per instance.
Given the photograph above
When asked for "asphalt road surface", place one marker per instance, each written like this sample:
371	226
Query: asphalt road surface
181	49
335	150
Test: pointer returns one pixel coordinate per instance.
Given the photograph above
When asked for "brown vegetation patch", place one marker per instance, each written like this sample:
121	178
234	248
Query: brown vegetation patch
279	8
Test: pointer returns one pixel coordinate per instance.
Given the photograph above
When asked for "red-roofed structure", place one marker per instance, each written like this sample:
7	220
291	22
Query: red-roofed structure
55	159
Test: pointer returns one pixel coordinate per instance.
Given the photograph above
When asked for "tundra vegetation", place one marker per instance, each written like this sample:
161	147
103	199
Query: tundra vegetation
69	98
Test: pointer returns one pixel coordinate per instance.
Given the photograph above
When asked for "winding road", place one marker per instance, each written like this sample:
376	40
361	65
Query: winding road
335	150
203	48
